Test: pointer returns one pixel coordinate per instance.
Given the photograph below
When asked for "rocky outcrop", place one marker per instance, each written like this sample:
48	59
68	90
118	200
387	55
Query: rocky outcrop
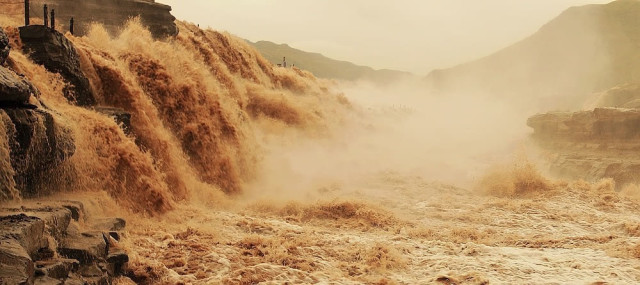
51	49
4	47
39	144
33	142
623	96
32	234
112	14
14	90
600	124
591	145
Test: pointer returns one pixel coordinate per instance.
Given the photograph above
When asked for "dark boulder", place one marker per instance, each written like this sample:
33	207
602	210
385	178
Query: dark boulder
4	47
14	90
51	49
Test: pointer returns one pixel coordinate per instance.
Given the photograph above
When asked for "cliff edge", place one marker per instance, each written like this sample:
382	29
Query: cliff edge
112	14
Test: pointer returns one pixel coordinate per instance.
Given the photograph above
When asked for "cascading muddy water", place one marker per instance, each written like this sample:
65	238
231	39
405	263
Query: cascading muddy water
8	190
210	116
195	102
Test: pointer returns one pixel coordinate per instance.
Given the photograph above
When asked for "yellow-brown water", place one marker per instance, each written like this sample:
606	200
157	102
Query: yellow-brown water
239	172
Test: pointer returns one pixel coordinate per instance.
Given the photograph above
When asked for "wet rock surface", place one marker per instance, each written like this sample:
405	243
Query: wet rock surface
14	90
37	143
51	49
84	255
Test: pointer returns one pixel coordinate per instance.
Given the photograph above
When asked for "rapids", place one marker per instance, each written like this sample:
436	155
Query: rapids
239	172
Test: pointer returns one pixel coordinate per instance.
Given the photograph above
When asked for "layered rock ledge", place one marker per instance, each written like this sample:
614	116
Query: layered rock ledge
57	54
56	242
591	145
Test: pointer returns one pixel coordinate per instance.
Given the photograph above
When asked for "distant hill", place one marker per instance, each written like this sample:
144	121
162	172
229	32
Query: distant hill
322	66
584	50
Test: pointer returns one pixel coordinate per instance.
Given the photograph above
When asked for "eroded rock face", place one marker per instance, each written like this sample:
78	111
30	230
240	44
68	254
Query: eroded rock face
39	144
32	142
14	90
85	255
591	145
4	47
597	125
112	14
57	54
16	266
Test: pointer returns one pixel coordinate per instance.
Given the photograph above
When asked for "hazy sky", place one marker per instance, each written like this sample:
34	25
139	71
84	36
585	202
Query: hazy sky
410	35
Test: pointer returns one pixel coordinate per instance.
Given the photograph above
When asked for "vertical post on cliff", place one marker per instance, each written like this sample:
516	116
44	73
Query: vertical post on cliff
46	15
26	12
53	19
71	25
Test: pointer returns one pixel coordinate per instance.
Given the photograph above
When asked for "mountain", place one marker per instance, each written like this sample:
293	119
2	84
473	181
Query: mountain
585	49
322	66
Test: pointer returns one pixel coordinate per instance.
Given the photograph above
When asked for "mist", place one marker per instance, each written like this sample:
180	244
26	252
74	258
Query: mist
408	35
235	170
400	129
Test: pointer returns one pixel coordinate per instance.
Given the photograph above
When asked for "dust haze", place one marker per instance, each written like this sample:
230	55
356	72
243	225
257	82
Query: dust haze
398	128
452	125
409	35
238	171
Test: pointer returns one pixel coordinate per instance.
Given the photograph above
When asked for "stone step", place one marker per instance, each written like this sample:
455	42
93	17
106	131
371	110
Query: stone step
57	268
86	257
28	231
56	219
77	209
85	247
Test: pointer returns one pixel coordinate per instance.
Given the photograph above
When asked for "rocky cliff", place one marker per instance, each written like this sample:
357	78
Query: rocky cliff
591	145
34	143
56	53
112	14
